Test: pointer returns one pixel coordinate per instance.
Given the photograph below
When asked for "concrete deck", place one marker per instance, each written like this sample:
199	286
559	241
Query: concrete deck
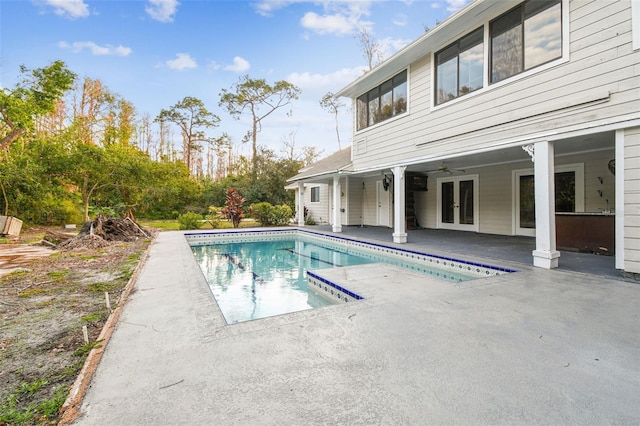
536	346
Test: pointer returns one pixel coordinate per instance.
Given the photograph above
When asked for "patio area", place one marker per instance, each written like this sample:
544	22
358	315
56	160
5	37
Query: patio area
493	248
532	347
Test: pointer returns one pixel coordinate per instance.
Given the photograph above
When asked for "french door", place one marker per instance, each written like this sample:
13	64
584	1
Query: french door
458	203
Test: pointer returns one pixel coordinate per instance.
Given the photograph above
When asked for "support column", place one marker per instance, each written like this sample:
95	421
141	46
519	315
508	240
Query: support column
337	193
300	204
545	255
399	220
619	226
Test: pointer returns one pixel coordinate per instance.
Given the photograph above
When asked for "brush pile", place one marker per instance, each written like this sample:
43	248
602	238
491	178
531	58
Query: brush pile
102	230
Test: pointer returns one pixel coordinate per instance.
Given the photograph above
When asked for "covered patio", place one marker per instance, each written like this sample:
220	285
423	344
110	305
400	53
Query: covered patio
495	249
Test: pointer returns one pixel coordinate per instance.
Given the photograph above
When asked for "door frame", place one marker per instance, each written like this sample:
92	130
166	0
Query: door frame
577	168
475	227
380	191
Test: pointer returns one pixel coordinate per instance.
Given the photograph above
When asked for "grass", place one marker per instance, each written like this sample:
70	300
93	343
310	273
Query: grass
12	413
173	225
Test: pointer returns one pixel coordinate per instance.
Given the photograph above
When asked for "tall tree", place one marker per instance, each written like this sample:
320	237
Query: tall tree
37	94
332	104
193	118
260	100
372	51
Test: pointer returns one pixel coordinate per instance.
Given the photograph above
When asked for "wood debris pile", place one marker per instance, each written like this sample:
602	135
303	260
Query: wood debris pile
102	230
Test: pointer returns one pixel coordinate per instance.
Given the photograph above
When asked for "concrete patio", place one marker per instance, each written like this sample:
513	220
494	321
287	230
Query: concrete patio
535	346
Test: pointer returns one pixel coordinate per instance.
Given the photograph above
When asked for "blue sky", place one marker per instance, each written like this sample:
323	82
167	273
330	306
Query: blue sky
154	53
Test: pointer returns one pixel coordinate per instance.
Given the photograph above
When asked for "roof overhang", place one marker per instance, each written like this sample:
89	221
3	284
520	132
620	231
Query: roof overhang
464	21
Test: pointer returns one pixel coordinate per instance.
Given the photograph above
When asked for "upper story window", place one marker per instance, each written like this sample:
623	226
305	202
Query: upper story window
459	67
383	102
525	37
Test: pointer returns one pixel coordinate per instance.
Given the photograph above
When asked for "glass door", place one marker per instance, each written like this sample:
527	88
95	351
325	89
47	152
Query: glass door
458	203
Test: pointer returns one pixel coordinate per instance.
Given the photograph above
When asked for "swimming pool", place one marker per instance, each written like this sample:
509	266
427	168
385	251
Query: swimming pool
261	273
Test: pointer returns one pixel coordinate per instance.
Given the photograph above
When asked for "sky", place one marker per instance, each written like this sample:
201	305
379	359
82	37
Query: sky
154	53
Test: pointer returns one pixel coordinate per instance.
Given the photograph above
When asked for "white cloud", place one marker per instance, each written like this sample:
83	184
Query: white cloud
162	10
239	65
96	49
327	24
389	45
267	7
319	84
69	8
340	18
455	5
182	62
400	20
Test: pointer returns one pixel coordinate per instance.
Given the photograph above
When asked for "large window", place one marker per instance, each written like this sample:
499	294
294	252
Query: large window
459	67
383	102
525	37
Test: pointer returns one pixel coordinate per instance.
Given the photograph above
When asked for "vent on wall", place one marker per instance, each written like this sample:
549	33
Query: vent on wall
361	146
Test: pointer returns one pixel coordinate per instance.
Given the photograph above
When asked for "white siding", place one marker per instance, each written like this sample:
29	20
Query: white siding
632	200
319	211
496	191
598	85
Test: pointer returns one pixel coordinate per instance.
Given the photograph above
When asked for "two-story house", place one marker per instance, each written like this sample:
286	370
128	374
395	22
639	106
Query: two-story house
510	117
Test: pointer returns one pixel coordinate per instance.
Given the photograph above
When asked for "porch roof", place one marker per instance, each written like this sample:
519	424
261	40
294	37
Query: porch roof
336	163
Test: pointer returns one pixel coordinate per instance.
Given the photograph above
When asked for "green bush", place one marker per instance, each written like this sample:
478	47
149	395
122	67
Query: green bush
282	214
214	217
262	212
190	220
269	215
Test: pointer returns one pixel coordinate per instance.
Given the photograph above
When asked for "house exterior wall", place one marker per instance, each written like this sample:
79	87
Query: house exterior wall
595	83
496	192
319	211
632	200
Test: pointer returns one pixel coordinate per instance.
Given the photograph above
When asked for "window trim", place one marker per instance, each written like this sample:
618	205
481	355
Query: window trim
514	78
378	87
577	168
489	40
457	43
317	190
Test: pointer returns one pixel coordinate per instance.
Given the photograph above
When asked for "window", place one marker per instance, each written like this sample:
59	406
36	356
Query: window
315	194
459	67
382	102
525	37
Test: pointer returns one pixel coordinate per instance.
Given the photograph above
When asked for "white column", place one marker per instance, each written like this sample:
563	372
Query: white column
619	227
337	192
300	204
545	255
399	220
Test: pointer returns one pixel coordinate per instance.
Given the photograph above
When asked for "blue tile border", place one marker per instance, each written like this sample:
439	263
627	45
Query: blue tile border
475	269
316	281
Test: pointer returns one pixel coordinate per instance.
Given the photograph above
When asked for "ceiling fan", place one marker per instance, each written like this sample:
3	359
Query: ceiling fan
445	169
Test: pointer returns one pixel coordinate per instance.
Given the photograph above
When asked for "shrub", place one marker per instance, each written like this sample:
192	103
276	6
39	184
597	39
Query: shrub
282	214
214	216
263	213
190	220
269	215
234	207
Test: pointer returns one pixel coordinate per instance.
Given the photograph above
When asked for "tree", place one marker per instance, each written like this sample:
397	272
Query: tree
332	104
260	100
36	95
371	49
191	116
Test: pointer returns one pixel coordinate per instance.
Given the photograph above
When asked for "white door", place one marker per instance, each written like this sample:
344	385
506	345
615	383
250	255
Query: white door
458	203
383	205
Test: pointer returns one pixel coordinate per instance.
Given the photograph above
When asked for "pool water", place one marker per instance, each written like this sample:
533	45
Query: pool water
260	279
256	278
